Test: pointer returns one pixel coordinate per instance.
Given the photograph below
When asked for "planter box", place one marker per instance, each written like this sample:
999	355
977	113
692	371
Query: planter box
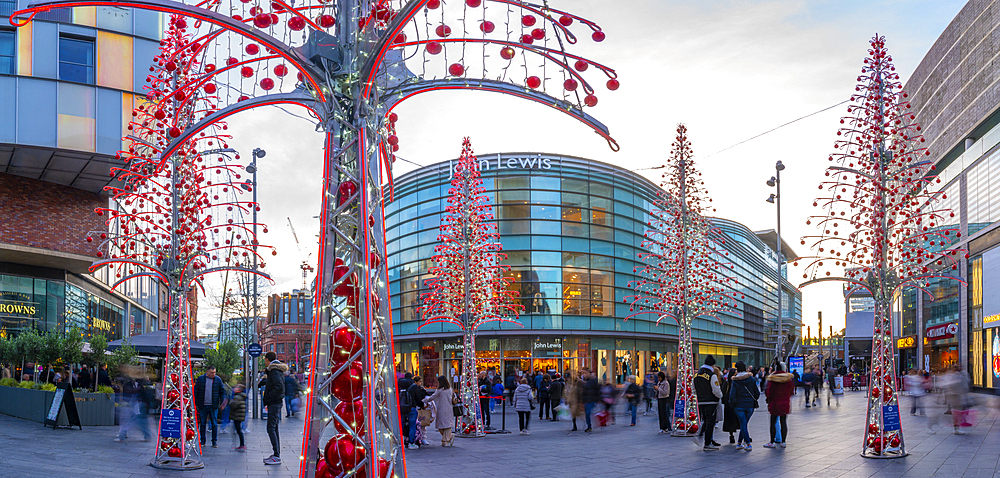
95	409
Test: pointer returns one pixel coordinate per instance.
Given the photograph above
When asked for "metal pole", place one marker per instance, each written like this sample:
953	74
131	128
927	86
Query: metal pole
253	316
777	248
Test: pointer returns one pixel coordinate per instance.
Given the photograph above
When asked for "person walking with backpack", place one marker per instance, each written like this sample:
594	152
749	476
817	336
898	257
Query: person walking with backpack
543	397
664	403
407	411
743	399
238	413
274	394
779	388
708	391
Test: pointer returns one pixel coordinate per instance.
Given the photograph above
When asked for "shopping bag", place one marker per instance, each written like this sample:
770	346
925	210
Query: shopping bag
602	418
295	404
425	416
562	411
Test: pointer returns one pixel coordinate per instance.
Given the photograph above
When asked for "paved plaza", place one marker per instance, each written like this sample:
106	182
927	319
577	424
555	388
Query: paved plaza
824	442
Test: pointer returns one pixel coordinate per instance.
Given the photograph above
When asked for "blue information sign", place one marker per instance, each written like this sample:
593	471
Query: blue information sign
679	409
255	350
890	418
170	423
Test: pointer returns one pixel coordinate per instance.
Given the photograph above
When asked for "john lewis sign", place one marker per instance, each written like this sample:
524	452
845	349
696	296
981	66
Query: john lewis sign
522	162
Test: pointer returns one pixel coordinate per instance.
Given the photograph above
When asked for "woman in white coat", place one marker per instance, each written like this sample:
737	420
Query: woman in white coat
443	399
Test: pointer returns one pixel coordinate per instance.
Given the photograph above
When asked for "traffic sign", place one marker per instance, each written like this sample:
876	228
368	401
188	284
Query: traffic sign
255	350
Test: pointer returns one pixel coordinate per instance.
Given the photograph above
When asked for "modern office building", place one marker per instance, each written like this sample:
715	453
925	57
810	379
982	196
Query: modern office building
68	83
571	229
955	94
288	329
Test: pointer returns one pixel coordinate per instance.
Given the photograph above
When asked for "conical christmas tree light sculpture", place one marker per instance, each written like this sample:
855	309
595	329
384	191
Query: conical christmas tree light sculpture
469	288
880	224
177	218
684	276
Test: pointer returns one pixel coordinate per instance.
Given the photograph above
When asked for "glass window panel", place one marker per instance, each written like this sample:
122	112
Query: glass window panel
545	212
517	182
76	60
599	189
623	194
602	247
7	47
539	242
540	258
114	60
602	233
513	227
601	262
578	200
515	242
575	229
546	227
547	274
544	182
519	258
544	197
574	185
575	292
576	244
518	211
574	259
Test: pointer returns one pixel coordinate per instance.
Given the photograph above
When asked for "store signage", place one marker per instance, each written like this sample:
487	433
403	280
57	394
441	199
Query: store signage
906	342
17	304
100	324
996	356
170	423
513	162
941	332
453	346
547	345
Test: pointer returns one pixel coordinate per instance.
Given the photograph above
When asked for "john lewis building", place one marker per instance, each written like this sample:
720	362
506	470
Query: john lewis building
571	228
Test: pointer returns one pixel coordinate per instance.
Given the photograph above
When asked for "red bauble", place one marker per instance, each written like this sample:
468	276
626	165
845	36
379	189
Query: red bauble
344	192
873	429
433	4
877	446
252	49
538	34
174	132
527	39
680	425
344	344
393	117
590	100
487	27
533	82
894	441
323	470
565	20
442	31
174	452
570	84
887	395
209	88
262	20
392	139
613	84
434	48
190	434
246	72
693	428
165	445
473	3
347	287
875	392
598	36
347	386
527	20
456	69
342	453
280	70
266	84
173	395
327	21
581	65
506	53
296	23
353	413
401	38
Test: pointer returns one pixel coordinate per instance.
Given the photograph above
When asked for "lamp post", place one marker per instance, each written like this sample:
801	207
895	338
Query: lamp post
775	182
251	320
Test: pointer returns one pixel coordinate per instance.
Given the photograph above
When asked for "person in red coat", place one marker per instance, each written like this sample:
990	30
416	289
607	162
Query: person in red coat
779	389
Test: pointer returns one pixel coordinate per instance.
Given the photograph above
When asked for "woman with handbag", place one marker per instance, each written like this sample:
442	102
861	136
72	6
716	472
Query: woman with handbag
743	398
523	403
443	399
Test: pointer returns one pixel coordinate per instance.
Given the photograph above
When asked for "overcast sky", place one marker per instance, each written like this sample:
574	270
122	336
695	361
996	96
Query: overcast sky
728	69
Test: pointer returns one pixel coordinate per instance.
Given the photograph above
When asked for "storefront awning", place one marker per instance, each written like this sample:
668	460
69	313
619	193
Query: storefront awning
155	344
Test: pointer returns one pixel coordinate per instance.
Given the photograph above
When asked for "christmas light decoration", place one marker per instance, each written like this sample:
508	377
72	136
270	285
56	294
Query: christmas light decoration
469	288
176	218
881	226
346	65
685	274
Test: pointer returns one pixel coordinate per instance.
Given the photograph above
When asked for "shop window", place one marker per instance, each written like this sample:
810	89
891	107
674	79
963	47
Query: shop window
280	348
76	59
77	117
7	47
114	60
574	185
518	183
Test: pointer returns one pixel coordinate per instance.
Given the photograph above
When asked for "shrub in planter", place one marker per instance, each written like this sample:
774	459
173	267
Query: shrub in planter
105	389
49	387
8	382
26	384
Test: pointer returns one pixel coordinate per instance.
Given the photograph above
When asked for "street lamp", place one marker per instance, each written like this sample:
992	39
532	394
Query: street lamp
775	198
251	319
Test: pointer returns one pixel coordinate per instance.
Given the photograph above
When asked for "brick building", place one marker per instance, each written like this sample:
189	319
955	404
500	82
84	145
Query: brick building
288	327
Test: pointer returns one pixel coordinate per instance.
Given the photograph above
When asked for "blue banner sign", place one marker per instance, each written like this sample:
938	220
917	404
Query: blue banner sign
890	418
170	423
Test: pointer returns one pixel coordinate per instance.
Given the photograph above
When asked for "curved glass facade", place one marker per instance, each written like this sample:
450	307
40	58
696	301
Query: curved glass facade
571	228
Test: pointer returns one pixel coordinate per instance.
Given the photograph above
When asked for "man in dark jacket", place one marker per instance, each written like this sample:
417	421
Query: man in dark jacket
484	403
407	410
274	393
590	394
555	395
208	395
102	376
708	391
83	379
291	392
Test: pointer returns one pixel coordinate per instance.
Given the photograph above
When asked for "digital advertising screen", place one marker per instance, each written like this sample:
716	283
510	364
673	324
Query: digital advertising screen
991	279
795	364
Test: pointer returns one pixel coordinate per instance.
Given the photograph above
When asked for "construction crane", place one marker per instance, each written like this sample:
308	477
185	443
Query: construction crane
305	266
